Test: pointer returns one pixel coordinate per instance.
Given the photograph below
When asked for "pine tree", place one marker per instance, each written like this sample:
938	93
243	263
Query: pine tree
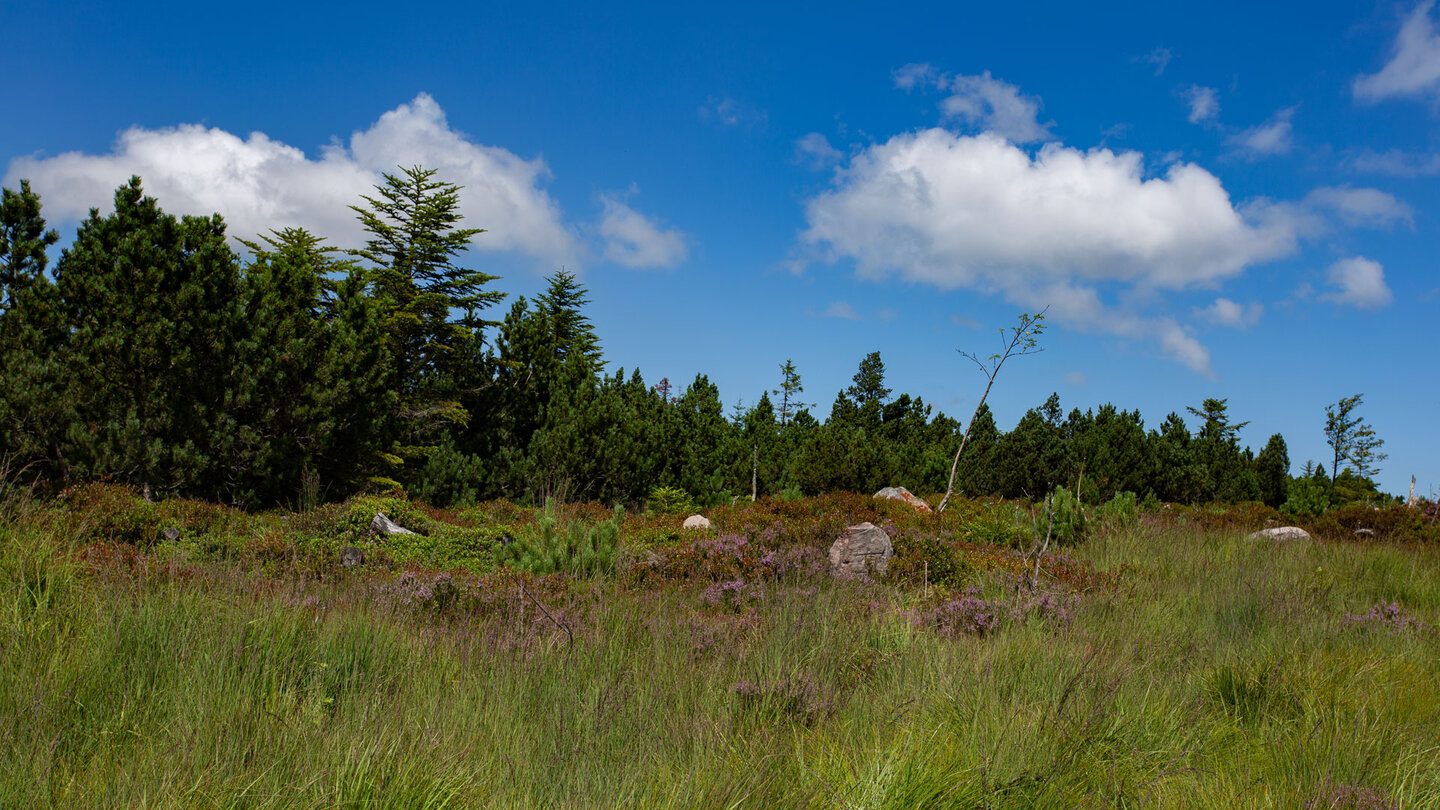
150	302
23	240
1272	471
1217	452
33	408
312	377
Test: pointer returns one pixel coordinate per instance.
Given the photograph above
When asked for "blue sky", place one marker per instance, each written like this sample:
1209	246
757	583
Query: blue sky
1214	200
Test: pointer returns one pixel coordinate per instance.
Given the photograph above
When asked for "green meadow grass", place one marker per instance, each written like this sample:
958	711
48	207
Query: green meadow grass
1217	672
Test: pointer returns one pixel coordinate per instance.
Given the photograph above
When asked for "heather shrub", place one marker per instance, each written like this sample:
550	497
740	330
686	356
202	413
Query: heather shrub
1388	523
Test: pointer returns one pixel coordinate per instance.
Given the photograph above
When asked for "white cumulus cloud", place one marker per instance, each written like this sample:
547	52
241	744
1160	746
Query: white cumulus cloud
260	184
1061	227
1358	282
1414	66
635	240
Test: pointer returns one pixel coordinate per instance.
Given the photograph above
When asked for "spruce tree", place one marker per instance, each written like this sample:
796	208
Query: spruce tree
431	307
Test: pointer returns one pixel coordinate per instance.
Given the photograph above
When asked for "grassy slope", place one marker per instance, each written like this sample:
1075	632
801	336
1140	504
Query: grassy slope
1220	672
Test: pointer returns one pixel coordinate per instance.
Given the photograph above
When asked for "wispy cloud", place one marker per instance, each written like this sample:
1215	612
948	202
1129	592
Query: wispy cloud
1270	139
635	240
814	150
732	112
981	102
1159	59
1414	66
1204	103
1394	162
1225	312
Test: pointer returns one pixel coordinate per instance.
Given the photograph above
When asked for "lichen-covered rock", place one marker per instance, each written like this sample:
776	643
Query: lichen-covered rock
863	549
385	527
696	522
352	557
903	494
1282	533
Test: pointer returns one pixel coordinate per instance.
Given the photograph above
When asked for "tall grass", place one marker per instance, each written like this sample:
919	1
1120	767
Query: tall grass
1218	672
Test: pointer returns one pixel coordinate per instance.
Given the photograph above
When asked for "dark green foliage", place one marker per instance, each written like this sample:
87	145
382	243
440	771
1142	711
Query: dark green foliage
315	395
669	501
1062	518
577	548
149	303
1272	471
430	308
1353	441
450	477
23	240
156	358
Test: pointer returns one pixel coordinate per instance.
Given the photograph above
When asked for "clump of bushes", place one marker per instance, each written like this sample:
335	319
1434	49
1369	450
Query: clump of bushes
928	559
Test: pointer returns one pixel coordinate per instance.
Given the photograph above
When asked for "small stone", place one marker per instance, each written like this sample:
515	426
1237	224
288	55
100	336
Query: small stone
385	527
172	534
696	522
903	494
863	549
1282	533
1362	532
352	557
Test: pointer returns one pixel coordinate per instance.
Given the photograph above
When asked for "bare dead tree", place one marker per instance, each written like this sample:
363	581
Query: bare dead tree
1017	341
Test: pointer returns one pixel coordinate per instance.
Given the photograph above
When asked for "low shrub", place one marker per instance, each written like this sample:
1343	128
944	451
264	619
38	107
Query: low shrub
579	548
928	559
669	501
1119	512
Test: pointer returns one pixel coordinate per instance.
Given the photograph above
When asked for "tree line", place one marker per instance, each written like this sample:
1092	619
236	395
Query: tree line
156	355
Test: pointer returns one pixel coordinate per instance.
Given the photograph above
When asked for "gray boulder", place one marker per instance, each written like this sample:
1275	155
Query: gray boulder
862	549
903	494
385	527
352	557
1282	533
